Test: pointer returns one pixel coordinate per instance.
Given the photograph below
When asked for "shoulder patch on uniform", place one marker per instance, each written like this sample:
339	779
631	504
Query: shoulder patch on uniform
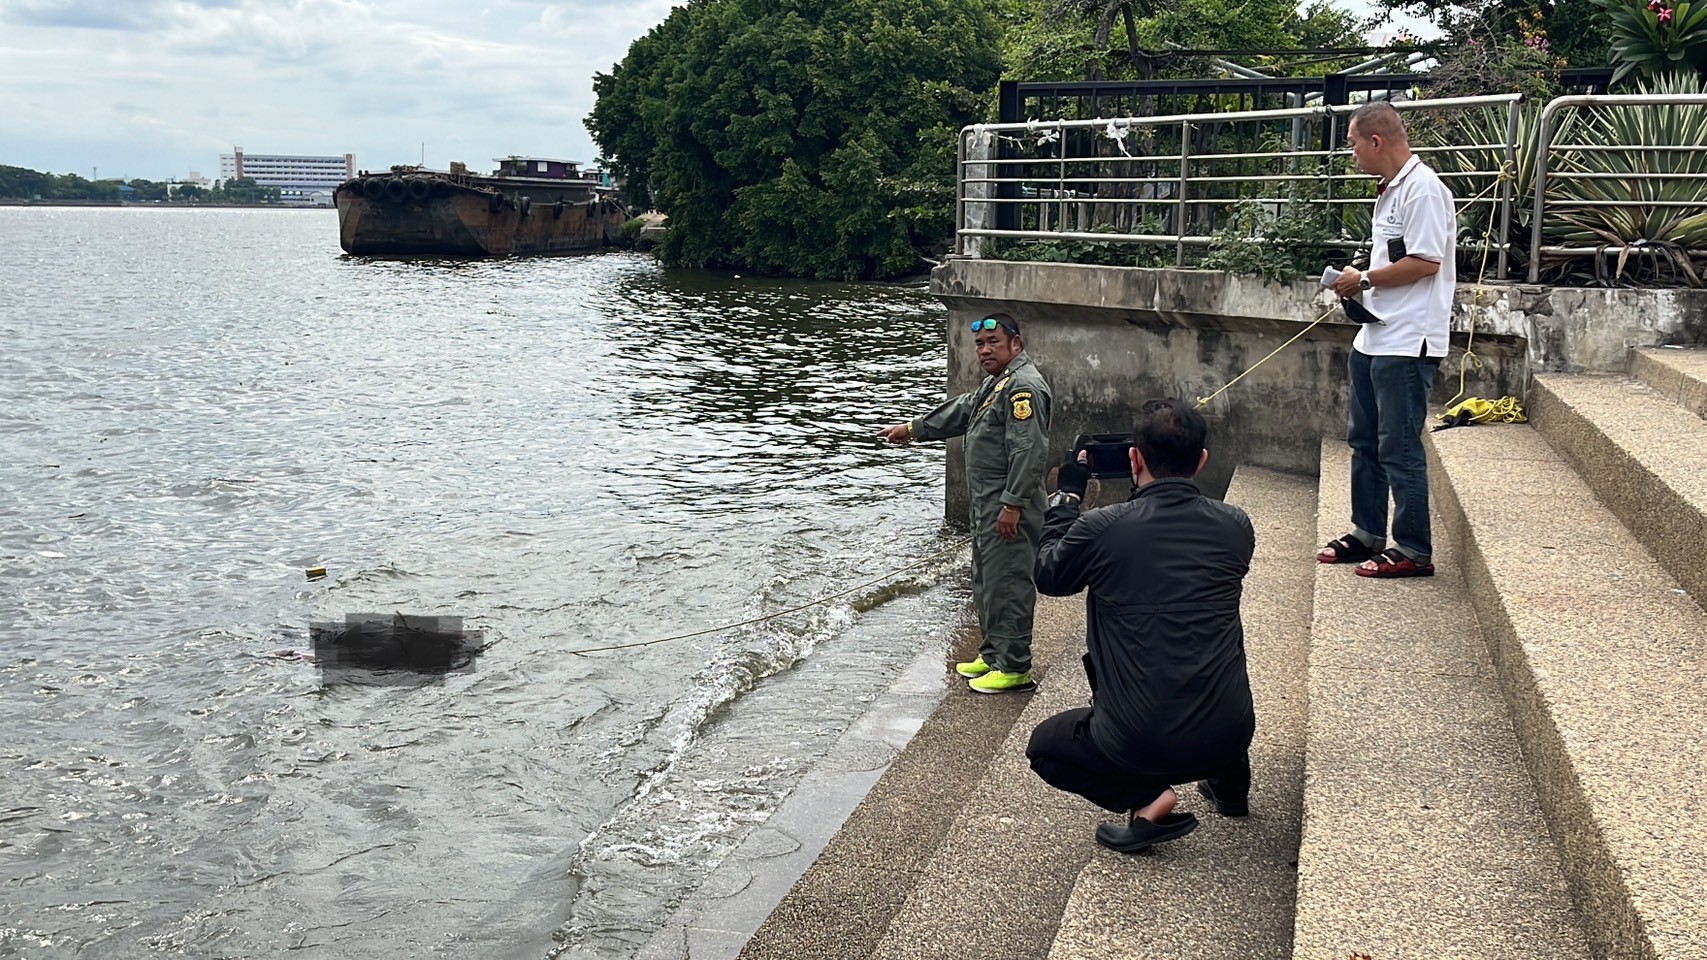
1022	405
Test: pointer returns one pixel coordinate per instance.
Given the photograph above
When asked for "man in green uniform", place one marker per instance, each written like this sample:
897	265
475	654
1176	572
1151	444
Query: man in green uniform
1006	425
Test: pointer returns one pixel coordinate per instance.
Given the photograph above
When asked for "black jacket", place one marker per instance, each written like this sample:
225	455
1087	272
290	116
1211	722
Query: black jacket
1165	571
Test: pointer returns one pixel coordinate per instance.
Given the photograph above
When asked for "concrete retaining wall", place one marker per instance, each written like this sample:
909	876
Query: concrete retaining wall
1109	338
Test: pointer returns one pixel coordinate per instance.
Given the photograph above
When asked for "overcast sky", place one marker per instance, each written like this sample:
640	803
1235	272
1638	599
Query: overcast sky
160	88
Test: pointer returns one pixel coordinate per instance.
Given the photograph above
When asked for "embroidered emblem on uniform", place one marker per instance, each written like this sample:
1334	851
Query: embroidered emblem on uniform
1022	406
999	386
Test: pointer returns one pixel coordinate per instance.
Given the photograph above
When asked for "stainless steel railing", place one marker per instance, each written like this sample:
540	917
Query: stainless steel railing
1160	181
1556	162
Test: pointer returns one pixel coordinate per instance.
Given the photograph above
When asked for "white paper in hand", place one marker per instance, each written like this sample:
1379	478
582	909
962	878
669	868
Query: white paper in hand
1330	275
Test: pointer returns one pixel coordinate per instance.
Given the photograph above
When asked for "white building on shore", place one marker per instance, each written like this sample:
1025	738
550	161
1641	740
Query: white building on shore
304	180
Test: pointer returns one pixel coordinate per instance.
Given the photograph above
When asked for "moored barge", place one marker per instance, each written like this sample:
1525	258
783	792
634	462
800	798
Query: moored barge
528	206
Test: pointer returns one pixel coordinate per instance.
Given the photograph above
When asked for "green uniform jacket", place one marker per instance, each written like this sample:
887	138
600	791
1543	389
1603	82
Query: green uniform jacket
1006	425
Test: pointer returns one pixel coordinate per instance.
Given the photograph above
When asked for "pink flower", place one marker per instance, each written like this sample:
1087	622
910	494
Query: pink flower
1654	4
1665	15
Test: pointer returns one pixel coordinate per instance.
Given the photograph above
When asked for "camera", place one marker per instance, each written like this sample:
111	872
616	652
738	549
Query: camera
1110	454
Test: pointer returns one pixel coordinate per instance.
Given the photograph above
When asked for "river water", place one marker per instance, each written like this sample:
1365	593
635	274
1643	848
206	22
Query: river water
198	406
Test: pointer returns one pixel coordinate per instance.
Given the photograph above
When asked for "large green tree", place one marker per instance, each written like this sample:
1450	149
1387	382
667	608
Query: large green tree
799	137
1064	40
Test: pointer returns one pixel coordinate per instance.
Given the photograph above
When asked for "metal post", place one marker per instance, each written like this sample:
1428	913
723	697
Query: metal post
1297	101
1542	142
1011	108
1179	218
1009	101
1061	180
959	191
1508	188
1330	130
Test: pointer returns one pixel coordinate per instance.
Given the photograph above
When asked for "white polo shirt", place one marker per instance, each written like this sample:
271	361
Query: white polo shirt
1417	208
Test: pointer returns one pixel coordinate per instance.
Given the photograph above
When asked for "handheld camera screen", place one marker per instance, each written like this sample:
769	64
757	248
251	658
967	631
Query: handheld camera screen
1110	454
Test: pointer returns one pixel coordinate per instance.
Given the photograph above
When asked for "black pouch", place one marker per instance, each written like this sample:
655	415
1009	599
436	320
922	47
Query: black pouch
1357	311
1396	249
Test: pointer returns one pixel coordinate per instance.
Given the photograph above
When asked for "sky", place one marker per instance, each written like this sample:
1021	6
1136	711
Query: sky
160	88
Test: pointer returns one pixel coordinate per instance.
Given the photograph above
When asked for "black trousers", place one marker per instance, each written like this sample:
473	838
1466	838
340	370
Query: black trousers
1064	755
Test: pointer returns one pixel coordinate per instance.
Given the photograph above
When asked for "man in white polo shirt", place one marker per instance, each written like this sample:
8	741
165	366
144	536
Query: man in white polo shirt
1393	362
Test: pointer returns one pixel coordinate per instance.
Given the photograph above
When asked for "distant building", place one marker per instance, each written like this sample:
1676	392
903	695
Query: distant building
195	177
304	180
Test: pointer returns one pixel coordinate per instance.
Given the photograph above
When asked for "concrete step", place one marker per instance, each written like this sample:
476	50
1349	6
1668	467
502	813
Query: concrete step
998	883
844	903
1678	375
1228	890
1423	834
1642	454
1603	659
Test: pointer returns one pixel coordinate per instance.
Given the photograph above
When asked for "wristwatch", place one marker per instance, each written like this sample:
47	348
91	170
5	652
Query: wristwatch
1363	282
1061	496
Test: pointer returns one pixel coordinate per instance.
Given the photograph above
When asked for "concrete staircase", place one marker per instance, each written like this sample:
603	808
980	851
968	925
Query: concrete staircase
1583	551
1500	761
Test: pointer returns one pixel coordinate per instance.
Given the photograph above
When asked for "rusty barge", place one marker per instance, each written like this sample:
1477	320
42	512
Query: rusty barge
529	206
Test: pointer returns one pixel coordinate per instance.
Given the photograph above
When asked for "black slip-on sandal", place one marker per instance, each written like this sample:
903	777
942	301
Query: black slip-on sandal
1347	549
1139	835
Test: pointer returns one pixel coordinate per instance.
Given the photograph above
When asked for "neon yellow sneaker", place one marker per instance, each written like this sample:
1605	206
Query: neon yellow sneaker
976	668
999	681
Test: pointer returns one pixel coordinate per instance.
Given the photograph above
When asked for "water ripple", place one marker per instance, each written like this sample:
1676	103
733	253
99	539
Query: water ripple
195	406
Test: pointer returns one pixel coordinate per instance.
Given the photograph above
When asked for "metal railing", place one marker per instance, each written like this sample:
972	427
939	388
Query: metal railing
1067	174
1558	162
1172	181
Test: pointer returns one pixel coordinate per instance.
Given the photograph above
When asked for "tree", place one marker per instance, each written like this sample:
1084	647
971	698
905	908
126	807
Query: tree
799	137
1574	30
189	193
1067	40
243	190
20	183
147	190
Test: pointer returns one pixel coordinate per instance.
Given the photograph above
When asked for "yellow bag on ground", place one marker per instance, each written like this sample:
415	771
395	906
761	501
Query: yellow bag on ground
1478	410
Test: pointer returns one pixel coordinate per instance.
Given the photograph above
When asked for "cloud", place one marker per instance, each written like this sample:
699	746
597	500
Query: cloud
188	79
133	15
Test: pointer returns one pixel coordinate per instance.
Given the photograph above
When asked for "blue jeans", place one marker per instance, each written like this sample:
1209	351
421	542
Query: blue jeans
1389	403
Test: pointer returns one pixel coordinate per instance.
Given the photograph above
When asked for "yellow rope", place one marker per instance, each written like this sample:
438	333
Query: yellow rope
1470	356
795	609
1204	401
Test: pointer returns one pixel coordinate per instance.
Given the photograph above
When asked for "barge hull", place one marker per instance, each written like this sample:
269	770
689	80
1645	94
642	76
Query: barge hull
434	216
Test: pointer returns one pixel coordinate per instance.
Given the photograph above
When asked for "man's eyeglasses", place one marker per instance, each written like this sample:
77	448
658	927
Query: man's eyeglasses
991	323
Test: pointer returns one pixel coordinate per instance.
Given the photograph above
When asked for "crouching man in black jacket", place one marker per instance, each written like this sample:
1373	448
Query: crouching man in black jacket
1170	697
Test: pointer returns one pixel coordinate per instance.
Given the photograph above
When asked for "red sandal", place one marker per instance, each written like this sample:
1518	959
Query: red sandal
1347	549
1391	564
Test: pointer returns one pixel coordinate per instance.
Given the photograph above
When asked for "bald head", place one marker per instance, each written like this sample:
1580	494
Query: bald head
1378	119
1378	141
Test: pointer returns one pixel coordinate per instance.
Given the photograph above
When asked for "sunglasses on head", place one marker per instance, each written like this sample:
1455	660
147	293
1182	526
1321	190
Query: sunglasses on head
991	323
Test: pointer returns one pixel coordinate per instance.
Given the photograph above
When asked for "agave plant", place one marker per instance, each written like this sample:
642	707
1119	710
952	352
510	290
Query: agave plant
1656	37
1662	194
1461	145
